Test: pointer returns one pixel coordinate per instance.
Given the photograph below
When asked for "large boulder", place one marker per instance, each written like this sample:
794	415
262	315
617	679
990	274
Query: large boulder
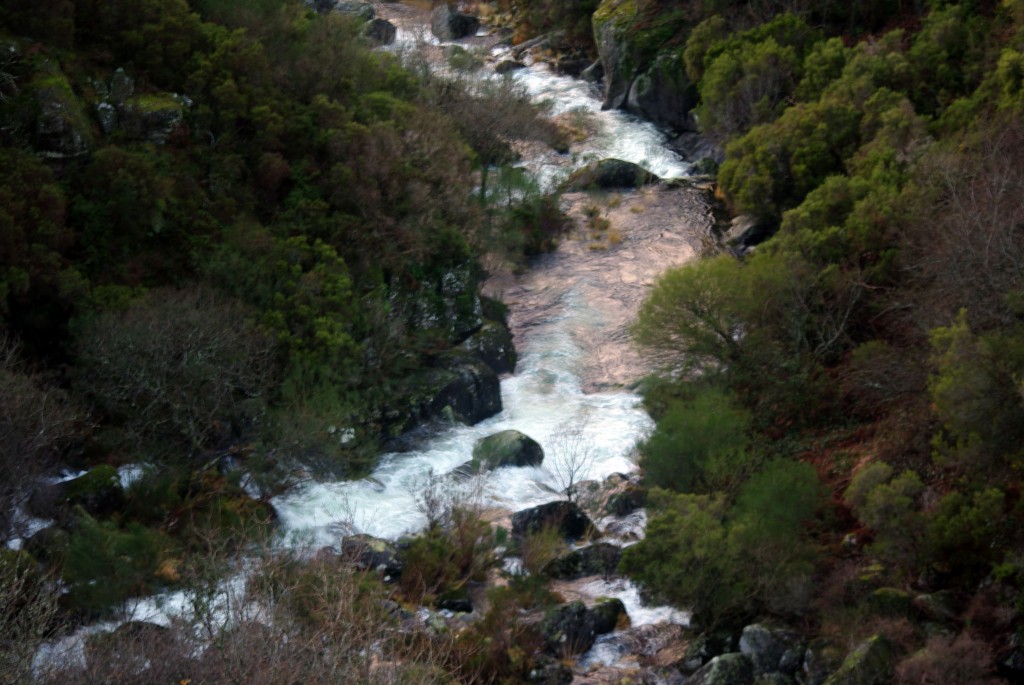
629	38
447	303
362	11
152	118
507	448
464	390
447	24
772	649
663	93
368	553
380	31
599	559
572	628
493	345
62	128
608	174
727	669
821	660
565	517
870	663
97	491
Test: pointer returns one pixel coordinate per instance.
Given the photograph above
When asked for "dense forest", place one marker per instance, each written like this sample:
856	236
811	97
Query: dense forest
233	233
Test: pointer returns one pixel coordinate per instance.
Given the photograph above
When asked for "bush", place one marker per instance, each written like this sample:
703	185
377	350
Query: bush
175	368
727	564
699	445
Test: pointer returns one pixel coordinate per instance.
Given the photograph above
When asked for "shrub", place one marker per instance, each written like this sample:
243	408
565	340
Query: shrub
175	368
699	445
961	660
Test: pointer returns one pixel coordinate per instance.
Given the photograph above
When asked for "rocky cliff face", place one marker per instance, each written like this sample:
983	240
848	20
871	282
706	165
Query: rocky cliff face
639	46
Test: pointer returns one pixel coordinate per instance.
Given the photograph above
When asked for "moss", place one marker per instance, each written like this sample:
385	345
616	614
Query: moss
147	104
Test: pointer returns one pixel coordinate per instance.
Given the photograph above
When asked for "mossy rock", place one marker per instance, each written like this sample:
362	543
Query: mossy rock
152	117
493	345
608	174
601	558
507	448
890	601
609	614
626	502
870	663
62	127
98	491
728	669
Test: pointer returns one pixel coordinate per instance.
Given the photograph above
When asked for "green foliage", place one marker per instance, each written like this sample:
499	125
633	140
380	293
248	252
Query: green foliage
890	506
699	445
746	79
106	565
728	563
976	394
442	559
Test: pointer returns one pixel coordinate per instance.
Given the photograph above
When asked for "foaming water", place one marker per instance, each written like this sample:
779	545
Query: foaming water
542	400
616	134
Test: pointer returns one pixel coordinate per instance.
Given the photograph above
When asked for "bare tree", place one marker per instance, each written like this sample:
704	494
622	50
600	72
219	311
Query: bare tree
573	455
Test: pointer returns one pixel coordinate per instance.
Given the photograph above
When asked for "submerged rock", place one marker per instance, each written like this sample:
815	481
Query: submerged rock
565	517
507	448
447	24
572	628
607	174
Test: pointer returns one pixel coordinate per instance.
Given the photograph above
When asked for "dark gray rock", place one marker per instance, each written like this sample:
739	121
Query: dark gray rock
551	672
107	115
601	558
97	491
618	64
507	448
774	679
608	613
746	231
458	602
727	669
626	502
362	11
593	73
121	87
471	393
572	628
447	24
368	553
607	174
507	66
772	648
565	517
493	345
663	94
152	118
380	31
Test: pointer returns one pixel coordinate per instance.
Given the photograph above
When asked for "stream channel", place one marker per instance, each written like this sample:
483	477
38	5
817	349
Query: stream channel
569	313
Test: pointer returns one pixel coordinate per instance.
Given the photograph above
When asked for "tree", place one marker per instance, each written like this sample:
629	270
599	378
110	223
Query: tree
572	454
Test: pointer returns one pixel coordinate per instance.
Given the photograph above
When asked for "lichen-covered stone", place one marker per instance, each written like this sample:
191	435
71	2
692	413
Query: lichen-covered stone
870	663
572	628
663	93
890	601
372	554
506	448
728	669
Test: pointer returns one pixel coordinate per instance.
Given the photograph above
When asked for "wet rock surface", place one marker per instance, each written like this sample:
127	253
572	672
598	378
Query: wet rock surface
507	448
565	517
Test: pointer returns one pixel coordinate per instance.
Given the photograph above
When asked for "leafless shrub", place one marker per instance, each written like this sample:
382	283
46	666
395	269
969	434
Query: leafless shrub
28	612
175	366
948	661
37	422
572	455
